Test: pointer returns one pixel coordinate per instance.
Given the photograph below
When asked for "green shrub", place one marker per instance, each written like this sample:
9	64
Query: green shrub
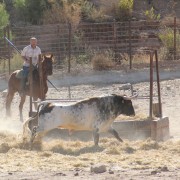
124	10
15	63
31	11
92	13
167	37
150	15
4	18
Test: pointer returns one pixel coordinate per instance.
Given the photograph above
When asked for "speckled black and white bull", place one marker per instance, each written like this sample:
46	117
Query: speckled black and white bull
94	114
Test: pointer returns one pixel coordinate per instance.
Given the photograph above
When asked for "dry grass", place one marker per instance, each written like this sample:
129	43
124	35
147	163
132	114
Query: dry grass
138	58
71	154
16	63
101	61
65	13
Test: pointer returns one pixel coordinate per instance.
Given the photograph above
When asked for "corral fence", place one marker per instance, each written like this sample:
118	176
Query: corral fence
76	47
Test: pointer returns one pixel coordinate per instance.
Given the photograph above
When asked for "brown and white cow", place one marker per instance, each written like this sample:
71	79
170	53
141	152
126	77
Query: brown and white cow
95	114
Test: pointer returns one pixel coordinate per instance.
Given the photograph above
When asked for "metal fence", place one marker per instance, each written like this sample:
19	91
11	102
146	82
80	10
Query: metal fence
76	47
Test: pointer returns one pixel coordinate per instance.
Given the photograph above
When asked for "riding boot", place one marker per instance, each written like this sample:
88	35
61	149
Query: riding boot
22	88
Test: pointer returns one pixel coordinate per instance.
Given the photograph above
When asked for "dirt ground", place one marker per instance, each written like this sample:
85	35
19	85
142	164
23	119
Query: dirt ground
61	159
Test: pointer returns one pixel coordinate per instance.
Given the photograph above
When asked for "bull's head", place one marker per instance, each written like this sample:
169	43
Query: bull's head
127	108
125	105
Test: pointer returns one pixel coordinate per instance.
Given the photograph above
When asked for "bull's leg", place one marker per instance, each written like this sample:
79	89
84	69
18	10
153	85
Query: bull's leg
96	136
115	134
23	98
9	99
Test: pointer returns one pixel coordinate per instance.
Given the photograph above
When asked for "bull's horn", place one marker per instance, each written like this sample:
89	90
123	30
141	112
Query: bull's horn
131	97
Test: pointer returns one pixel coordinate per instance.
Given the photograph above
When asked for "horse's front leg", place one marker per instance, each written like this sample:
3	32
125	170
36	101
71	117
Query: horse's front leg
23	98
9	99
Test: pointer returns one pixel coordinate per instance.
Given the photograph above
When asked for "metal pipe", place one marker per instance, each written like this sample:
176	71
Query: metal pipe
174	38
12	44
151	85
158	84
31	88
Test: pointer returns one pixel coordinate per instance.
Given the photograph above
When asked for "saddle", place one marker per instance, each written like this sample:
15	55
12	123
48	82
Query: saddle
19	74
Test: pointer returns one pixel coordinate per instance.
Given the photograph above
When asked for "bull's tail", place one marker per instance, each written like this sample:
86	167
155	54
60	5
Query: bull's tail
26	130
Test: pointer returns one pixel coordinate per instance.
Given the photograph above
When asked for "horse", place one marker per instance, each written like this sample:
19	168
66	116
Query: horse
14	85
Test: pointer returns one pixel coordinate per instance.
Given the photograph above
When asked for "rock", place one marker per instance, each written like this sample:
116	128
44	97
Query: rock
164	168
76	174
111	172
154	172
168	87
4	93
99	168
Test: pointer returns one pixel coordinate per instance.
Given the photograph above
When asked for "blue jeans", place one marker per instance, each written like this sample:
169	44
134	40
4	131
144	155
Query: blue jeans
25	71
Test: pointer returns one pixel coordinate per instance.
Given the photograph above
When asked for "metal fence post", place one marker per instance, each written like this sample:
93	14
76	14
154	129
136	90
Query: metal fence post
174	38
69	47
41	77
9	50
115	39
151	85
158	84
58	34
31	88
130	46
4	32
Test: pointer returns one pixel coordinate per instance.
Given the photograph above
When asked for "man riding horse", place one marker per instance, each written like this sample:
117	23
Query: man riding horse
32	50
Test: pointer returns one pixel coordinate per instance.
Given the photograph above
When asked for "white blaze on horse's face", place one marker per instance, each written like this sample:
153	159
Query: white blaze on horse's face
48	59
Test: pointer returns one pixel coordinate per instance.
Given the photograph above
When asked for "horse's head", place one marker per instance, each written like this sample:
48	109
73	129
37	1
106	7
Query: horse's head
47	64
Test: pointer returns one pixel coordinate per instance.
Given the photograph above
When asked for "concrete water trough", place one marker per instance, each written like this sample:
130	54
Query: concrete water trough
157	129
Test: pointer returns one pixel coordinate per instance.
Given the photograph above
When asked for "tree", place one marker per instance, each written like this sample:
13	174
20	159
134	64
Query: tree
31	11
4	17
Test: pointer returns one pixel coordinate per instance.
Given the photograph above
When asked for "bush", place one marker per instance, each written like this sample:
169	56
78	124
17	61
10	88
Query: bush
64	12
150	15
124	10
4	18
92	13
167	37
31	10
16	63
102	61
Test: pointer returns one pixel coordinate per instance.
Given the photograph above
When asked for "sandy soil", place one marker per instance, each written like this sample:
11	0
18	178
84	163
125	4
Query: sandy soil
62	159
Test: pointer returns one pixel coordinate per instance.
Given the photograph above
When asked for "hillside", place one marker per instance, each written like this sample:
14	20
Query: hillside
166	8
